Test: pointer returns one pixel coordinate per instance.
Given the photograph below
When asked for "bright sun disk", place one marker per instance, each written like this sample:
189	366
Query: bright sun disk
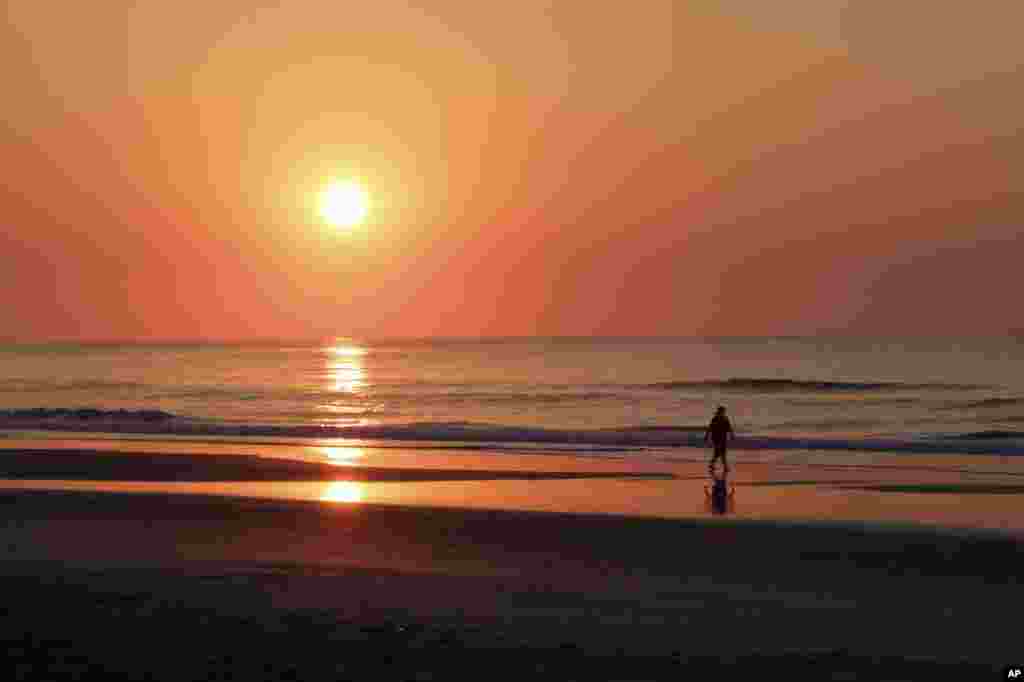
344	204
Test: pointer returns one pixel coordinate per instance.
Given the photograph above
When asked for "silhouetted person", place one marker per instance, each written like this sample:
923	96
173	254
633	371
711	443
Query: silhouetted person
720	498
719	432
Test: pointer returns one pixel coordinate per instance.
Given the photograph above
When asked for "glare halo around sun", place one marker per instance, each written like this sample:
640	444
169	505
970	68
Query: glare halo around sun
344	204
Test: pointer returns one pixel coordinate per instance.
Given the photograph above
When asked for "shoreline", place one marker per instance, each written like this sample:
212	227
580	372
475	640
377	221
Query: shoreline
992	442
423	563
963	495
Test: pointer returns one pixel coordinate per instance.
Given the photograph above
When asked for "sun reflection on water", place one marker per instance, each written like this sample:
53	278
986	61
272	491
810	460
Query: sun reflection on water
348	350
345	369
343	456
348	492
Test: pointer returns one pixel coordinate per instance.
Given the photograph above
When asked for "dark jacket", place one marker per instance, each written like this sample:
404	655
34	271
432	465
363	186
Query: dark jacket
719	428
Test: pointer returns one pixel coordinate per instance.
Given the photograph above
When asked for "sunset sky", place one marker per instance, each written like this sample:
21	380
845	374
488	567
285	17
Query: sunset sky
555	168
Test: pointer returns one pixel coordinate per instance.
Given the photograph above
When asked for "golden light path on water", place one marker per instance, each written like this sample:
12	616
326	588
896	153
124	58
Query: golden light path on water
345	375
342	455
345	368
343	491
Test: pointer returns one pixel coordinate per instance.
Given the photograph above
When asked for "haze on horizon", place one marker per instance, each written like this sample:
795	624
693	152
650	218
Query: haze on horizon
663	167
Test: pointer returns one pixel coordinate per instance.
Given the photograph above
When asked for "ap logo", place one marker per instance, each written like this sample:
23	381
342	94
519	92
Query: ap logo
1014	672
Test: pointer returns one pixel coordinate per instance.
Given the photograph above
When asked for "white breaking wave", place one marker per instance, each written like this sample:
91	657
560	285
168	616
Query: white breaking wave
157	422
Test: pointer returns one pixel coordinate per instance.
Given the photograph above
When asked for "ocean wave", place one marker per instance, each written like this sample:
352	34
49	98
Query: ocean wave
802	392
42	386
989	403
644	436
61	414
781	385
989	434
830	423
829	398
496	397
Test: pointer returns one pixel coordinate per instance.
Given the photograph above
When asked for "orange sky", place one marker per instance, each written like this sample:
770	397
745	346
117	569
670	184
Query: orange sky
550	168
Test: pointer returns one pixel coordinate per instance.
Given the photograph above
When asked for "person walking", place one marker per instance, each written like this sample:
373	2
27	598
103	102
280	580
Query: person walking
718	433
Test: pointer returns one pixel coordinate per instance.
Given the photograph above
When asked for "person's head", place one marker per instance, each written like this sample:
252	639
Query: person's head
720	410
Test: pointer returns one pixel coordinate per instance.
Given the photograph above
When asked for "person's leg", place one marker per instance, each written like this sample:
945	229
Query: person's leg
719	454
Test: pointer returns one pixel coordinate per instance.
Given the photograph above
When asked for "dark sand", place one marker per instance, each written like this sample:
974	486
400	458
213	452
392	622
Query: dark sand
176	587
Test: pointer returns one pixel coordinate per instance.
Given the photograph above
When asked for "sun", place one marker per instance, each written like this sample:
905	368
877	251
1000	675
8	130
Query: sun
344	204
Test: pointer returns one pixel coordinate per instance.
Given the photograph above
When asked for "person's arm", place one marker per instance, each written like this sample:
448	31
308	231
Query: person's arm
732	434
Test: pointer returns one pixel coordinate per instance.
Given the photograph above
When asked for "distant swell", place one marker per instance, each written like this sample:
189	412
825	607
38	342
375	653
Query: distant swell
479	397
991	403
987	435
778	385
157	422
61	415
37	386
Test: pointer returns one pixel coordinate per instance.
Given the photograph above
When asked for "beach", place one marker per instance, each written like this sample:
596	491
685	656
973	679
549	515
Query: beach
177	583
513	509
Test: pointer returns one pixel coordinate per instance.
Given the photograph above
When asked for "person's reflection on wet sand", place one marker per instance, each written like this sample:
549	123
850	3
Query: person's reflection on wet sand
720	499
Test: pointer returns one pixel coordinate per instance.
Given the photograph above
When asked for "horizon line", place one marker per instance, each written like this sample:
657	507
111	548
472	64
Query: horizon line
369	339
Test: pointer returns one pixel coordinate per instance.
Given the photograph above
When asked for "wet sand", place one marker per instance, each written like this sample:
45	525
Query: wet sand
972	493
145	466
194	586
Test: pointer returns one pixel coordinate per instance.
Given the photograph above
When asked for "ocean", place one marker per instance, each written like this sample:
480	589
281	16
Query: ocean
626	395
